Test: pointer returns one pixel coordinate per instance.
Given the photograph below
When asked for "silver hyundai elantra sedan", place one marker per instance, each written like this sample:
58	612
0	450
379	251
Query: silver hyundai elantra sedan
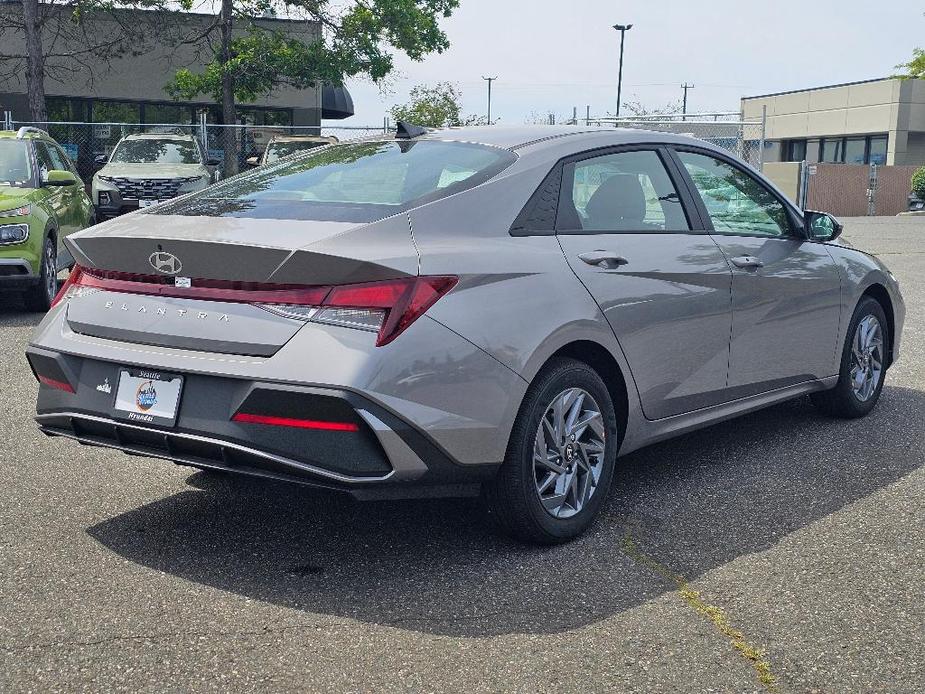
495	310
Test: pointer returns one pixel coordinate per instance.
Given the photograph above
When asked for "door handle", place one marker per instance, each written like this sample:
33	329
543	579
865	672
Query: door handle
604	259
745	261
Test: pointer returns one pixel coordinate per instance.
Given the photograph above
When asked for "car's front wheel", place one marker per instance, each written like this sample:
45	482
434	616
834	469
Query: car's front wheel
40	295
561	457
863	364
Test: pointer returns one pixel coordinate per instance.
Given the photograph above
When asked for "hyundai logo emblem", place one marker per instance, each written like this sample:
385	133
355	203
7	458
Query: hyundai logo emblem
165	262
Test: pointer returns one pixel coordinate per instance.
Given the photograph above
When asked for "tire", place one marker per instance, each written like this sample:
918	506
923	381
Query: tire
867	336
39	296
524	497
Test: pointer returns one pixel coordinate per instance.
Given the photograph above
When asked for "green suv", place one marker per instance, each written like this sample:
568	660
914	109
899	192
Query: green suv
42	200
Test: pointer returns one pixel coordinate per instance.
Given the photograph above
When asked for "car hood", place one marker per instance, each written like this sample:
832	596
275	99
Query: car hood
12	196
152	170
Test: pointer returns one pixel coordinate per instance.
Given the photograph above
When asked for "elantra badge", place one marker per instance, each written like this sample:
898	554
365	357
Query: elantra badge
165	262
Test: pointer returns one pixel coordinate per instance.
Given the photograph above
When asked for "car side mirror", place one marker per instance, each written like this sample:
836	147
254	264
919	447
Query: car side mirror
59	178
101	159
821	226
252	161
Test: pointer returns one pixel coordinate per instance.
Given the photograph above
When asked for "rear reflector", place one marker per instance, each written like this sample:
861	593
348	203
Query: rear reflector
387	307
52	383
246	418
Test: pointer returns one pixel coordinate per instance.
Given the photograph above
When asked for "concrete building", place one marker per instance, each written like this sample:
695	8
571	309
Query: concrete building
130	88
878	121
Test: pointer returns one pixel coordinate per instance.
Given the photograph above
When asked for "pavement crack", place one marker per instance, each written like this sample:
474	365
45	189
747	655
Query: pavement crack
755	656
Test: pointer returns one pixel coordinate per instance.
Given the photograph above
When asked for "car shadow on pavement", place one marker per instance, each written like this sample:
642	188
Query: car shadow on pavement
691	504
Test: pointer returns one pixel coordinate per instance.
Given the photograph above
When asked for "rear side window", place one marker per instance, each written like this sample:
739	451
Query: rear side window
359	182
625	191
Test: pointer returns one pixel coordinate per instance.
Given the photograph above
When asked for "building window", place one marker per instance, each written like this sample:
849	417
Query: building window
877	150
795	150
833	150
854	150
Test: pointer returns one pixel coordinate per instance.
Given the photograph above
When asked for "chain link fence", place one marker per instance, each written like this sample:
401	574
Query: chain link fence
85	143
745	139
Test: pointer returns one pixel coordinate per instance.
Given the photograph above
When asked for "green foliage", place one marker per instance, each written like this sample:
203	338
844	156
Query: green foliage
918	183
915	68
431	107
358	38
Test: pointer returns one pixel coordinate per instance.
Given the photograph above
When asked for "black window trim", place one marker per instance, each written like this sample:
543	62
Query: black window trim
558	170
794	215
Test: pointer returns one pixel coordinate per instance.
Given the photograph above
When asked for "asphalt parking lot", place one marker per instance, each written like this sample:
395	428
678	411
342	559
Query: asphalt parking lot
781	551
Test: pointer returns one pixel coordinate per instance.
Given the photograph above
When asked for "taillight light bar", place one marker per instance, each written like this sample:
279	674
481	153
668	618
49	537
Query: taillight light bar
245	418
54	383
387	307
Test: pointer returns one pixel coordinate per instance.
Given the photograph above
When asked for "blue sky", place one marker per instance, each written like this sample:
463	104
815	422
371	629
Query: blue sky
551	56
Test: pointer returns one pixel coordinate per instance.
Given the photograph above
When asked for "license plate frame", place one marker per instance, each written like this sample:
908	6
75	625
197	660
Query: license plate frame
147	396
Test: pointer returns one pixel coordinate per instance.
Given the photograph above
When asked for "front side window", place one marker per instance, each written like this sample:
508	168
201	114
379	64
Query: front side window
625	191
15	169
359	182
154	151
737	202
46	163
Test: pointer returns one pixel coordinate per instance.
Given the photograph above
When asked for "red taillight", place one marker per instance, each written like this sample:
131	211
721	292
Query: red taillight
52	383
395	303
72	279
404	301
246	418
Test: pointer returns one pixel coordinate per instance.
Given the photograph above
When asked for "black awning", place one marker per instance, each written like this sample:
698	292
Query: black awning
336	102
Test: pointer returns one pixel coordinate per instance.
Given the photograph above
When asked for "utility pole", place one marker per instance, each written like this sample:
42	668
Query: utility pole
622	28
489	80
685	87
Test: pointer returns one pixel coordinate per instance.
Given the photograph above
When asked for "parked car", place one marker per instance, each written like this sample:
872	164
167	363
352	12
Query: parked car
147	169
42	200
281	146
494	310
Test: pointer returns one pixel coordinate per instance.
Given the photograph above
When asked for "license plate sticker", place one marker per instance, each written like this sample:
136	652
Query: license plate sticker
148	396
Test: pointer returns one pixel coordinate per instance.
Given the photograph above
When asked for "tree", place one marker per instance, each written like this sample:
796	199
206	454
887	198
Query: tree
435	107
636	109
357	37
61	38
915	68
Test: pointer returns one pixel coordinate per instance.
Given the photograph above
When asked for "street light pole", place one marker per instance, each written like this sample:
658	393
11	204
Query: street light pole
489	80
622	28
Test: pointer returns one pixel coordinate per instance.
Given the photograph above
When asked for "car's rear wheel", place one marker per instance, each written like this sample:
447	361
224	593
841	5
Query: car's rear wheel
561	457
863	364
40	295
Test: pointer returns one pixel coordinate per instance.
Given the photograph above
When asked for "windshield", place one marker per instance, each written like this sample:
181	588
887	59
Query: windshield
151	151
359	182
278	150
15	169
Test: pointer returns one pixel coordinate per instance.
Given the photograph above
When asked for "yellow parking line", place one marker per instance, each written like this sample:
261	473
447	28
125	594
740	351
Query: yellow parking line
755	656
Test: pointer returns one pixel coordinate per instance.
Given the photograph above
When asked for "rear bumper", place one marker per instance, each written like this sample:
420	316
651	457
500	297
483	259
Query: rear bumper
384	457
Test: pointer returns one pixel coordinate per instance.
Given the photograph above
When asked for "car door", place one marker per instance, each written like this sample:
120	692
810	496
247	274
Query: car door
661	281
59	197
785	289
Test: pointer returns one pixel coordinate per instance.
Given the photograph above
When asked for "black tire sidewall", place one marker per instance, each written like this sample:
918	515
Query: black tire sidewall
848	402
568	374
37	298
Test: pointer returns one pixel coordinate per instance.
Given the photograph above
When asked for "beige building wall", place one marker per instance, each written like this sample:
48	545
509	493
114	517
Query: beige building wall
892	106
786	176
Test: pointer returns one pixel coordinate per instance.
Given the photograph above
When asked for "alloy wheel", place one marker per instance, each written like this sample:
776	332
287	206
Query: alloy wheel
568	453
51	270
866	358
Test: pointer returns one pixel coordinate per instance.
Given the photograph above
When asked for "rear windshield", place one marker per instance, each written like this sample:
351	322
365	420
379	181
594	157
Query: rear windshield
278	150
359	182
150	151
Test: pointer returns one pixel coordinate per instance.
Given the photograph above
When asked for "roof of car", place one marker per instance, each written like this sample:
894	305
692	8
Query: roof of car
31	134
514	137
158	136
